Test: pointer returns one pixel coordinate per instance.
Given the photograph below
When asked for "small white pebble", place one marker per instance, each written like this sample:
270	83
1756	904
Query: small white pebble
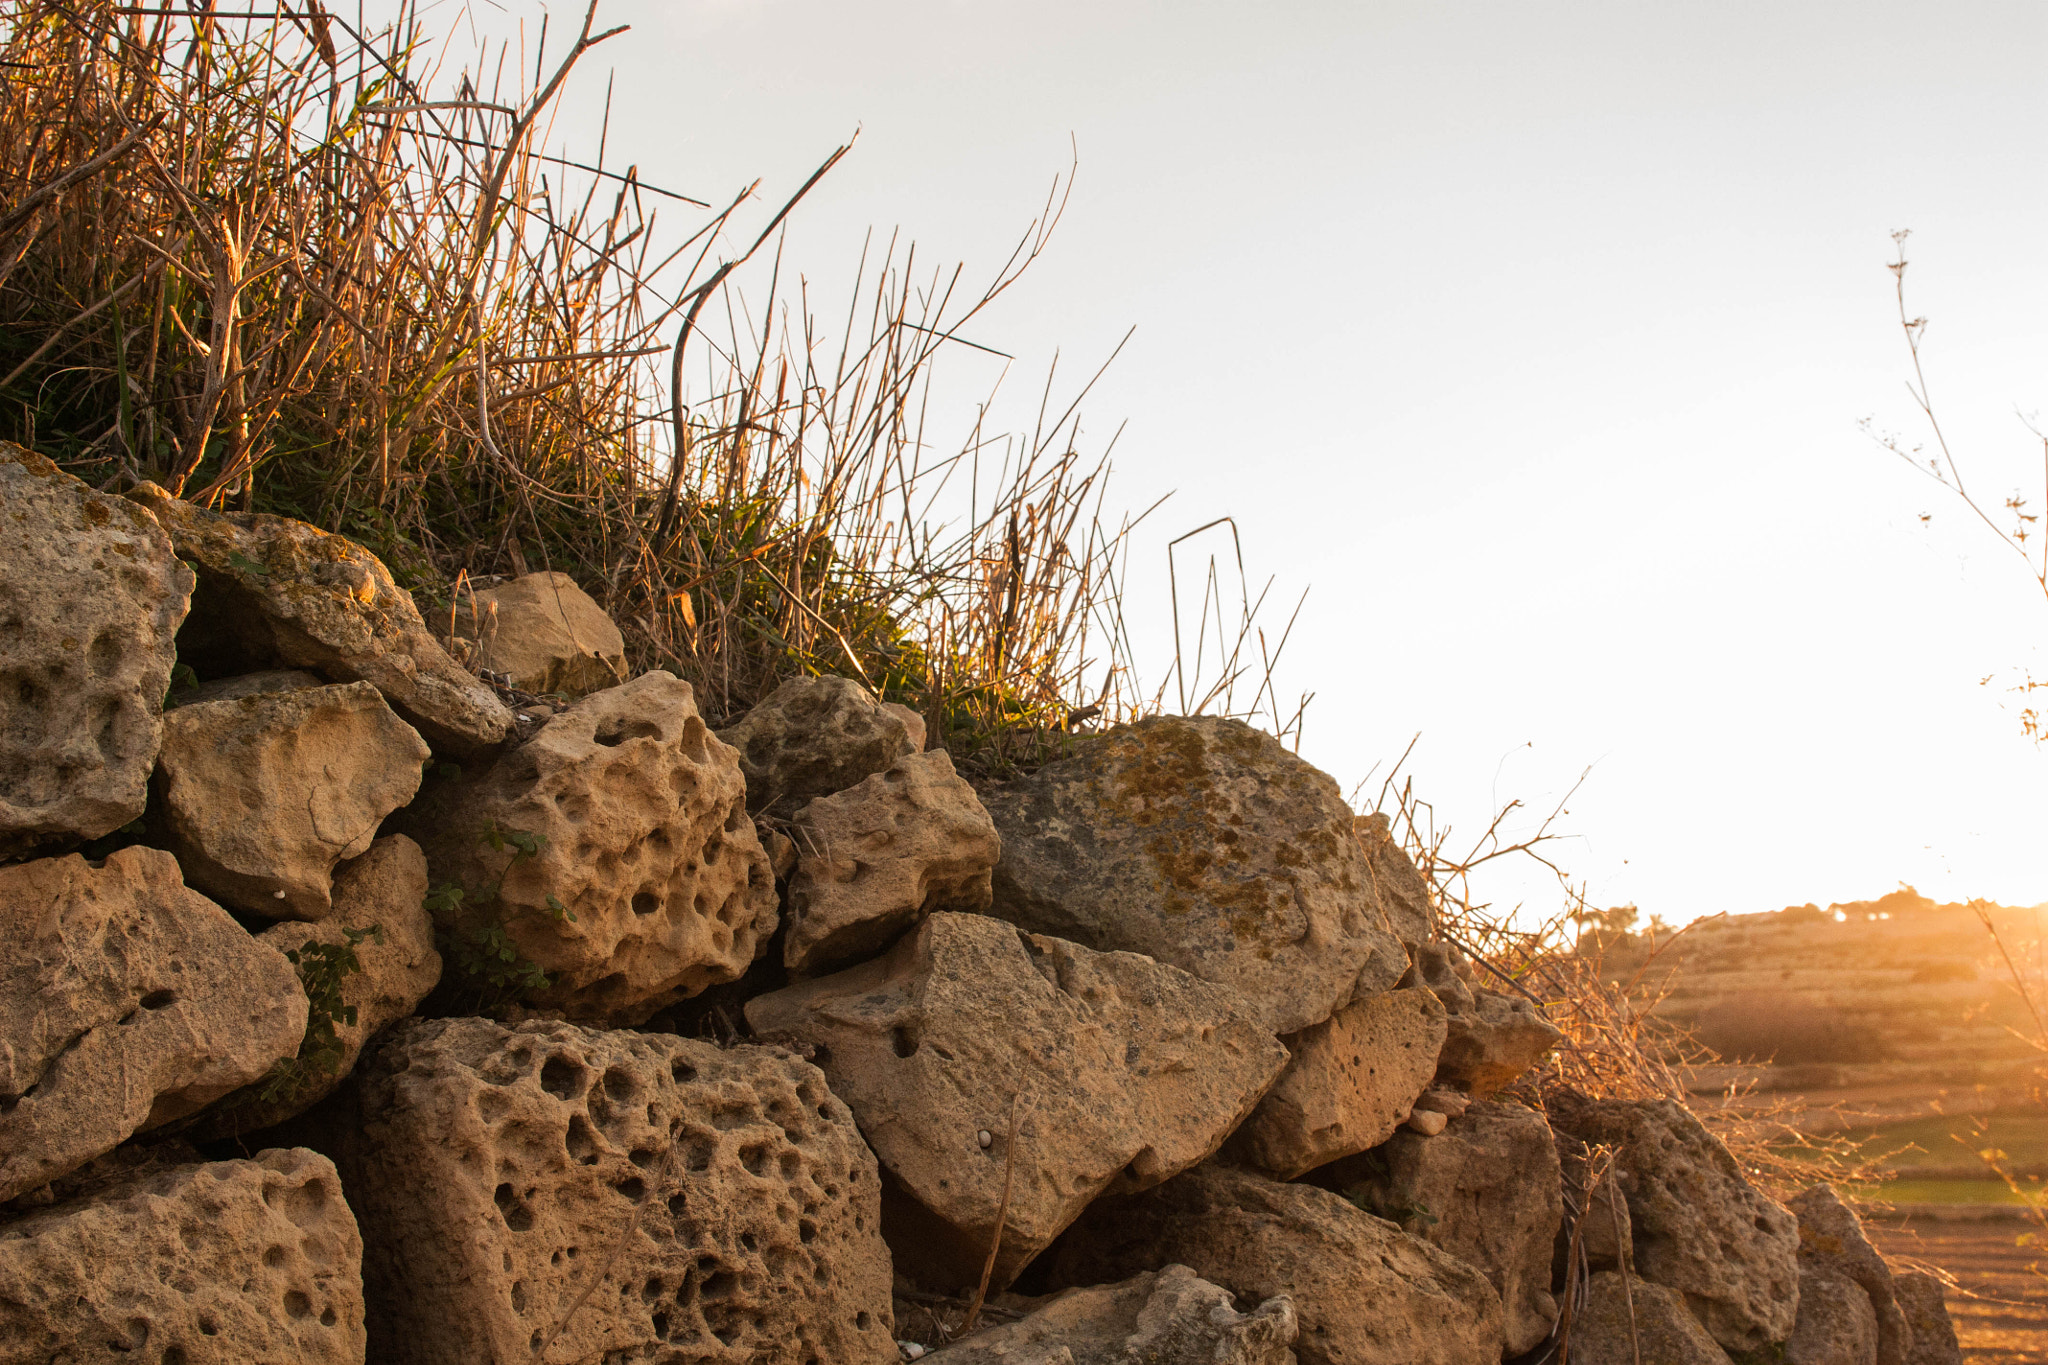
277	895
911	1350
986	1139
1426	1122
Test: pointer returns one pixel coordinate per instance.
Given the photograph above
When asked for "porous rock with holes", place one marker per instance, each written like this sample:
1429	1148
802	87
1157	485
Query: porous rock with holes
811	737
1490	1038
1205	844
544	634
126	1001
91	597
254	1262
642	840
1836	1325
1365	1292
1627	1321
551	1192
1697	1226
277	593
1121	1071
1831	1239
1348	1085
879	856
259	796
1402	889
1169	1317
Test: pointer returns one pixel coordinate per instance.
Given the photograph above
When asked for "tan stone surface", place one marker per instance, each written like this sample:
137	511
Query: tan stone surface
913	724
274	592
1124	1072
1924	1299
1365	1292
876	858
1172	1317
1831	1239
126	1001
90	602
226	1263
1492	1038
646	842
1836	1324
261	795
812	737
716	1204
248	685
397	967
1486	1190
545	634
1205	844
1351	1081
1698	1226
1402	890
1604	1332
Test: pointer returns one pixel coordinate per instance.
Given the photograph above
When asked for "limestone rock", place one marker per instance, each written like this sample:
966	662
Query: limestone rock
1173	1317
1425	1122
90	601
1205	844
881	855
1351	1081
813	737
1396	880
126	1001
1831	1239
913	724
642	836
1124	1071
1661	1330
687	1202
1593	1201
256	684
1698	1226
1836	1325
1365	1292
230	1261
1486	1191
1924	1300
261	795
1491	1044
543	634
396	968
274	592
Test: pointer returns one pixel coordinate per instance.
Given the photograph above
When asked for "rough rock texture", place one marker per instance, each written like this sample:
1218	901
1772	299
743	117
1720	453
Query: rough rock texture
1924	1300
544	634
1661	1330
716	1205
1396	880
1205	844
881	855
274	592
254	1262
1486	1191
246	685
397	967
90	601
126	1001
1365	1292
1494	1042
1595	1202
1351	1081
645	840
1123	1071
1836	1325
1831	1239
813	737
261	795
1174	1317
913	724
1698	1226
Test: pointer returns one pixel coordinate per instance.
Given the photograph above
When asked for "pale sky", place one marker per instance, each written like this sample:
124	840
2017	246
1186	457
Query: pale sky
1532	339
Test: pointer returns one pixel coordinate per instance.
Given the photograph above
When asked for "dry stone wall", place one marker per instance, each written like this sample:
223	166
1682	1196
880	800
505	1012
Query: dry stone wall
343	1016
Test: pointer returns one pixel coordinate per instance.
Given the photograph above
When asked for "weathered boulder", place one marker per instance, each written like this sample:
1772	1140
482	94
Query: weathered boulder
1924	1300
645	882
547	1192
1122	1072
1697	1225
1351	1081
876	858
255	1261
543	634
812	737
913	724
126	1001
395	967
1836	1325
91	597
1400	886
1173	1317
259	683
1365	1292
1486	1190
1595	1211
1831	1239
1490	1038
261	795
1205	844
274	592
1609	1330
